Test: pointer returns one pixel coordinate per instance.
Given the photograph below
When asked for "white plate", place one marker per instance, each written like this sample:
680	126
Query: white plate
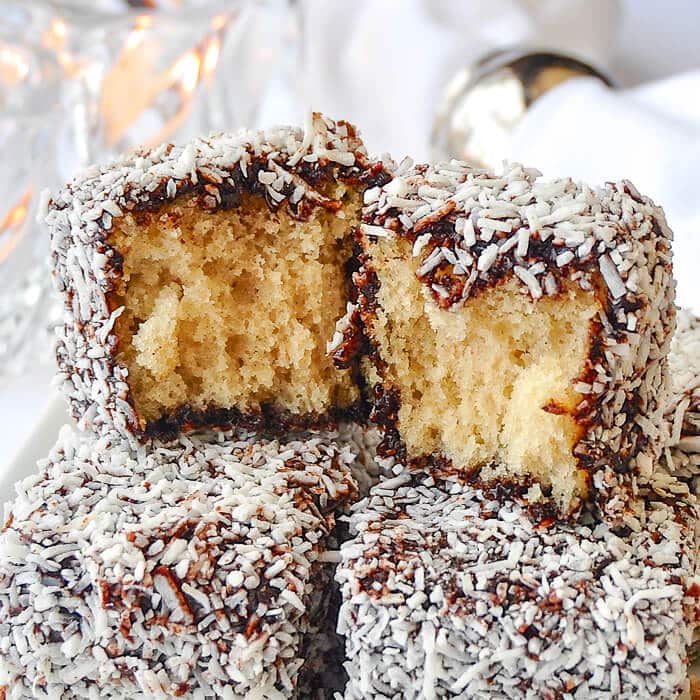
37	445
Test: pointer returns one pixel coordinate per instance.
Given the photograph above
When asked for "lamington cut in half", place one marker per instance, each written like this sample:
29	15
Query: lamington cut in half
515	327
200	568
202	283
457	593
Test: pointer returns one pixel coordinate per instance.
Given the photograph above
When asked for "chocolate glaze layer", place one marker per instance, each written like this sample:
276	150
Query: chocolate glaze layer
269	420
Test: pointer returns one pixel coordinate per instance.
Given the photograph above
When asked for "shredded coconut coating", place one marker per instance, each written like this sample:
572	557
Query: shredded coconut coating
683	407
456	593
202	568
284	165
471	229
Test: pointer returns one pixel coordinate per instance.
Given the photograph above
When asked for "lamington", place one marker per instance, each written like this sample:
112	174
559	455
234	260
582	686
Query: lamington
202	282
199	568
458	593
515	329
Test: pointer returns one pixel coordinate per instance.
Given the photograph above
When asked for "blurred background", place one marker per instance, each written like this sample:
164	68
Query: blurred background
594	89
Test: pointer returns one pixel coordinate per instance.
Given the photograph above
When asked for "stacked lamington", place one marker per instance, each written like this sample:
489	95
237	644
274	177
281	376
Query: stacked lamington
683	407
238	312
450	592
518	328
196	569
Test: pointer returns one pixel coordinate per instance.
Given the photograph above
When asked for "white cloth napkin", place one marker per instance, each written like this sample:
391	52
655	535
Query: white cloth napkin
649	135
384	63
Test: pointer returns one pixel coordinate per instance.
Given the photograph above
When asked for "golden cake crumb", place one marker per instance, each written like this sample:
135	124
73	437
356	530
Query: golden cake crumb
490	381
233	307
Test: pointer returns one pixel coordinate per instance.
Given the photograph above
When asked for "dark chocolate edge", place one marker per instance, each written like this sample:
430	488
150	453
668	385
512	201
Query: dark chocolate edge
268	419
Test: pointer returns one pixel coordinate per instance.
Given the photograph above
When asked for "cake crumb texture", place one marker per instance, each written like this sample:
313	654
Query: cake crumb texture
488	383
232	308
